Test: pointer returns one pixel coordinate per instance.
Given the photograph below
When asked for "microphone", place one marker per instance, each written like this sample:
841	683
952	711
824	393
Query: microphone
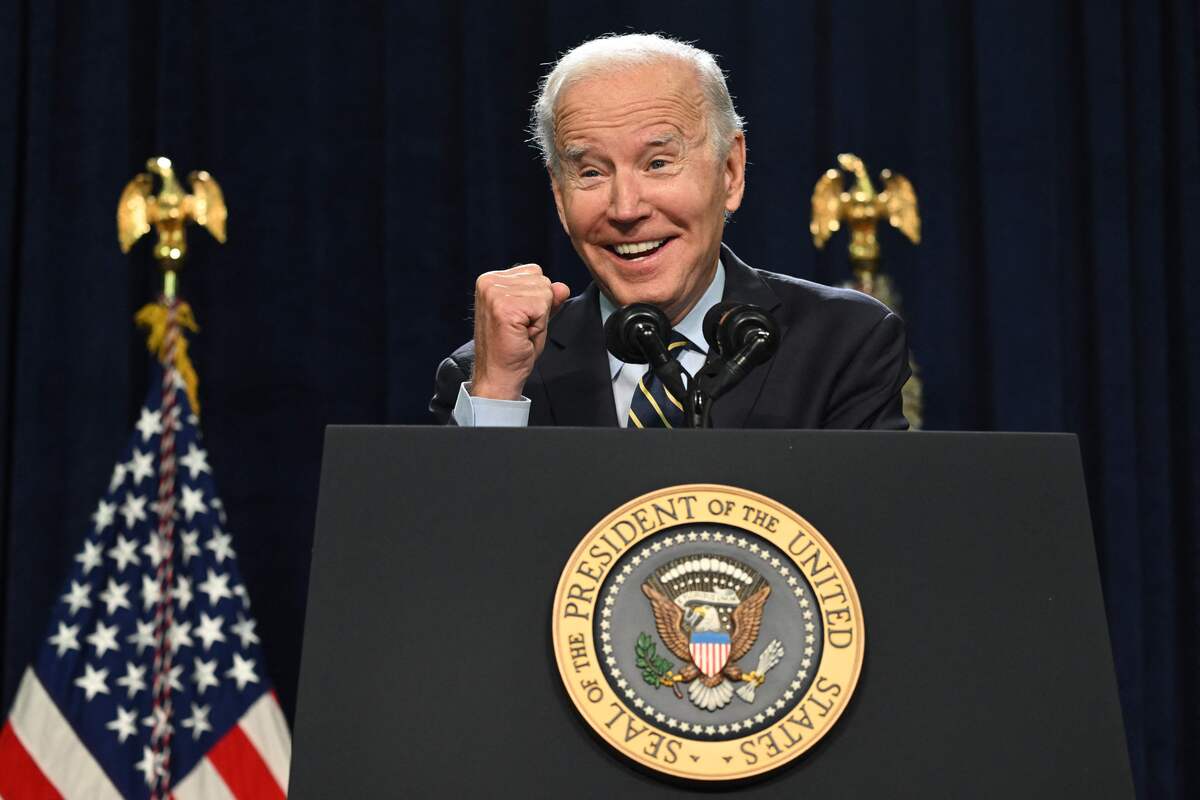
740	336
742	332
637	334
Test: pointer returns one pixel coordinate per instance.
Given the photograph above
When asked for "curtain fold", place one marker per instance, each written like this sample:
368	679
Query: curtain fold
375	160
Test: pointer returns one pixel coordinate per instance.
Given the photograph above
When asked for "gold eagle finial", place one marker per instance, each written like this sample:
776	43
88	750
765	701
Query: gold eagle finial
169	212
862	207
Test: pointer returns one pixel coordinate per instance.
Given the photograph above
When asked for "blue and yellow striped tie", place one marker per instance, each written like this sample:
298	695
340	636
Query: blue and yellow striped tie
652	405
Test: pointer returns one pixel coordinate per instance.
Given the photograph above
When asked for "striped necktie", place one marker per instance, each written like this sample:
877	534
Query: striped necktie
652	405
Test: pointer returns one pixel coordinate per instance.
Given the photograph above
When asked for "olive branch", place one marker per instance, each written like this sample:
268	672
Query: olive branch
653	666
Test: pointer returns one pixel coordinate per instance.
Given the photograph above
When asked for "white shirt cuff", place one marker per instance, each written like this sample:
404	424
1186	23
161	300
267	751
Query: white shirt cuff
483	412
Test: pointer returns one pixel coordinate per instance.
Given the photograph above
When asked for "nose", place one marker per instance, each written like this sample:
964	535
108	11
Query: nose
626	203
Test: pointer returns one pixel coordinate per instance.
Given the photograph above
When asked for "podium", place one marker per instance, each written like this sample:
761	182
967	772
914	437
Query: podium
428	665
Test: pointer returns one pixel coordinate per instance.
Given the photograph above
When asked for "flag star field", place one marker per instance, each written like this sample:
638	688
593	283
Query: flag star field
96	663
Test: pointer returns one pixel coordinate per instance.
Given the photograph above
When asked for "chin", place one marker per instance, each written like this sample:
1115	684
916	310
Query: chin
644	293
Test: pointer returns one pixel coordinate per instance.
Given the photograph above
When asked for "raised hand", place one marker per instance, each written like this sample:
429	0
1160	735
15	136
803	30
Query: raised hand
512	314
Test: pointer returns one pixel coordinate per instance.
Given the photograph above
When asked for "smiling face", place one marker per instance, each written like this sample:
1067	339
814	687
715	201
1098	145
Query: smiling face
642	191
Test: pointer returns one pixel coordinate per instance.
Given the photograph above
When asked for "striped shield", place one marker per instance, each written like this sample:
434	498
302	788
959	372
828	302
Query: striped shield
710	651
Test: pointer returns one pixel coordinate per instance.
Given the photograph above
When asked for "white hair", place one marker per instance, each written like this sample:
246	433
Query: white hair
612	53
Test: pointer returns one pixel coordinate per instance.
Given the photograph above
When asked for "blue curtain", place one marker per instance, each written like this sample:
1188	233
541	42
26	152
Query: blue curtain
375	160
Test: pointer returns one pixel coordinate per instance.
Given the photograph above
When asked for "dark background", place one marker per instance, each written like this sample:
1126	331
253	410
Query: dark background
374	160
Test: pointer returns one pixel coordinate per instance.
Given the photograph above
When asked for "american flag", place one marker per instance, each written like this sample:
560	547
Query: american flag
150	680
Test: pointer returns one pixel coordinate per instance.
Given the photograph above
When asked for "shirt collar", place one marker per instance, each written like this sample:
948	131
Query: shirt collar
691	326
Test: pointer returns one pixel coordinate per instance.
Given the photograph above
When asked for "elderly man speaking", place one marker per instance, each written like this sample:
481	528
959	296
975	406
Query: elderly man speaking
647	158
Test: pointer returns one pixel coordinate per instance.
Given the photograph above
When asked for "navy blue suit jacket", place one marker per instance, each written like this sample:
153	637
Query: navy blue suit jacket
841	363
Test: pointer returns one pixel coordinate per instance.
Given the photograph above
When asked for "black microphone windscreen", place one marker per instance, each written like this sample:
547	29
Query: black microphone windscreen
712	323
619	329
741	325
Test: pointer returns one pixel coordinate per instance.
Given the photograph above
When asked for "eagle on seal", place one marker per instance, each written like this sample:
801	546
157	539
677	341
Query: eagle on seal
708	611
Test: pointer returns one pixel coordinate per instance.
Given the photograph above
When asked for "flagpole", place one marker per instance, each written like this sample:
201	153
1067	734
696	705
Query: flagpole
170	211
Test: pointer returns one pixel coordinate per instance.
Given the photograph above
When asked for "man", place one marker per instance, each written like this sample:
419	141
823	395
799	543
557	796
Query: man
647	158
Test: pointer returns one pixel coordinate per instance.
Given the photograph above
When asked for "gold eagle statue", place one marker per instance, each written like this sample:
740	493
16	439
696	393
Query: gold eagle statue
169	211
862	208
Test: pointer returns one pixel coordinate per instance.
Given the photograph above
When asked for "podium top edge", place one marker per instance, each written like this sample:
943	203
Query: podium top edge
367	428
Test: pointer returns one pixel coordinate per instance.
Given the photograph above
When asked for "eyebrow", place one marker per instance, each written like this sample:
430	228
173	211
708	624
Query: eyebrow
664	139
576	152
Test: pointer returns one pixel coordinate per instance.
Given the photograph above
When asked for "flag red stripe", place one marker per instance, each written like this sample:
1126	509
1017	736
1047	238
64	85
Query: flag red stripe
242	768
19	774
710	658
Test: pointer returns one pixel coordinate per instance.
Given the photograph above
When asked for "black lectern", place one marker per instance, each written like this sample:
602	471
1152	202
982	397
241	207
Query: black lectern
428	669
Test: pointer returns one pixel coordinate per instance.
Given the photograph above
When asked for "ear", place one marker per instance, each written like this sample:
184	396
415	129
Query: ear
734	173
558	200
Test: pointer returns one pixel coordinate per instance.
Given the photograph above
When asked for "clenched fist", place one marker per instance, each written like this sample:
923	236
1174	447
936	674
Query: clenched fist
512	313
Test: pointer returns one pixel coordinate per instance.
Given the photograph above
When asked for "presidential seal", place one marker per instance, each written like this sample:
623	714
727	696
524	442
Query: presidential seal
707	632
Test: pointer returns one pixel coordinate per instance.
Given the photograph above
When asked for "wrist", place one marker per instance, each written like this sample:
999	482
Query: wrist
493	391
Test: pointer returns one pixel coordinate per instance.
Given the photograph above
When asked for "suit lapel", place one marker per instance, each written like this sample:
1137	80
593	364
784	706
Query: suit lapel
744	285
574	366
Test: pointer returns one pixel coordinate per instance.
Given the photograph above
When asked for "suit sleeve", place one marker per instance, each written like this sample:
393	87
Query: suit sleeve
868	394
450	375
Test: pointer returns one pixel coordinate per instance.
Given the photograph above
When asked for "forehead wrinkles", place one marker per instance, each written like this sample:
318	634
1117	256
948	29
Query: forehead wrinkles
580	117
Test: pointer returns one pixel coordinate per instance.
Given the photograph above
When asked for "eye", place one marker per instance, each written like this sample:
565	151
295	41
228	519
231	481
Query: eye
589	172
658	163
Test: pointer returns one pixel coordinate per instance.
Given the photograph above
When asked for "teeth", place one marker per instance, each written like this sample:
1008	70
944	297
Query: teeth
638	247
